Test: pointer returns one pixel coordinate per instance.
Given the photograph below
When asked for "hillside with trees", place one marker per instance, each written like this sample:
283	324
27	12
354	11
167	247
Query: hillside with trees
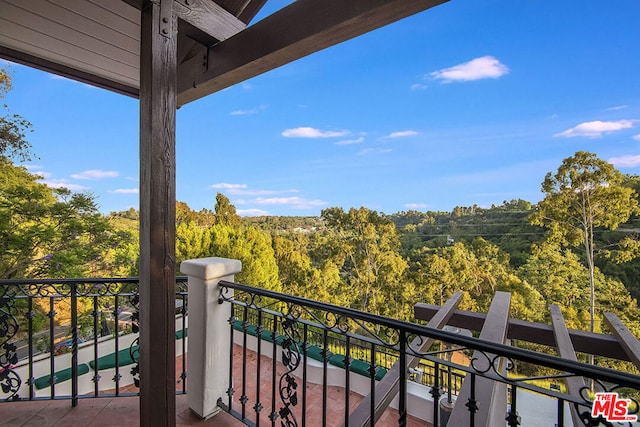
577	248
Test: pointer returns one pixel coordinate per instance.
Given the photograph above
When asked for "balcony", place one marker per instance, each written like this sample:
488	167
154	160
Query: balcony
259	357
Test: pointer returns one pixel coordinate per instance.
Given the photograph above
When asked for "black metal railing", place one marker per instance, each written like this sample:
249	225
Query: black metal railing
424	373
294	331
67	334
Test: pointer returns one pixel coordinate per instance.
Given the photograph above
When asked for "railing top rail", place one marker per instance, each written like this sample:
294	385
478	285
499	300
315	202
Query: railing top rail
9	282
623	379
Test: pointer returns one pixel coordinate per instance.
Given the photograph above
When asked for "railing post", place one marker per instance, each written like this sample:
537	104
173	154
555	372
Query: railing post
209	331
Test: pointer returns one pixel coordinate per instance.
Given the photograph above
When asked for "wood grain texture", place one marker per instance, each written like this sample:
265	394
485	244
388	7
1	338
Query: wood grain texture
158	62
209	18
302	28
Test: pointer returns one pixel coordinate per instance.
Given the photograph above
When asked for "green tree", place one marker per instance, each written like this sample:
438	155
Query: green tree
557	273
250	245
226	212
47	232
586	193
478	269
374	269
13	128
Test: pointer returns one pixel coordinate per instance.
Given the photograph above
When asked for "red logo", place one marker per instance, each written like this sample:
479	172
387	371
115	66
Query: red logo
612	408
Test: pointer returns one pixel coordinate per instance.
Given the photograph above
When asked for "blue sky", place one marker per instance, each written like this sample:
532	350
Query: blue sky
471	102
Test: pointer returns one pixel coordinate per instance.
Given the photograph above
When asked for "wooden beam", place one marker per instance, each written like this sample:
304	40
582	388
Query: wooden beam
65	71
158	64
490	396
387	388
302	28
627	340
575	385
249	10
538	333
209	18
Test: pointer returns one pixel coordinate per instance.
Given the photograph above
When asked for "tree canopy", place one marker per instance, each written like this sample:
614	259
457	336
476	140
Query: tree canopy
585	193
13	127
47	232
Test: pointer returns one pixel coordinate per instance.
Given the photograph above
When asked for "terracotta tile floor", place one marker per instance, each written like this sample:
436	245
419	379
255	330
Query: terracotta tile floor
124	411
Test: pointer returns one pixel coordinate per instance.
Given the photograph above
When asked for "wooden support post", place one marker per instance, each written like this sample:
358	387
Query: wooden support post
491	395
157	213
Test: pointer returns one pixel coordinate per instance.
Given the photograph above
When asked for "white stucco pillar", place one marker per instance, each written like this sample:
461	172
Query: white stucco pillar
209	334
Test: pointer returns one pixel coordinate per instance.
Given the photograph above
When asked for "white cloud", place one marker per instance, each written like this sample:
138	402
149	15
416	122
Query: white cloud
293	202
416	205
249	111
95	174
419	86
374	151
252	212
43	175
309	132
227	186
350	141
595	129
636	137
125	191
61	183
617	107
401	134
243	192
32	167
485	67
628	161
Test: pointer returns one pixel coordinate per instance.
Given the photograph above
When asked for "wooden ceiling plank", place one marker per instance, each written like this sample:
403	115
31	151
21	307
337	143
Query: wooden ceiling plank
302	28
209	18
627	340
66	54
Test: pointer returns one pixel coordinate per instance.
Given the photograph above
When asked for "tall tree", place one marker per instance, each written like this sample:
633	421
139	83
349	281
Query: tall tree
47	232
371	261
13	128
585	193
225	212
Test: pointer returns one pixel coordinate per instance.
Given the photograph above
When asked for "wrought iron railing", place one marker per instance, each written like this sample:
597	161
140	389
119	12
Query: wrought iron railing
424	373
278	386
70	333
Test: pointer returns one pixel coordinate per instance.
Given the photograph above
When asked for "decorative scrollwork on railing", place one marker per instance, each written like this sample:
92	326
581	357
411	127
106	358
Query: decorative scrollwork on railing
291	357
134	349
9	380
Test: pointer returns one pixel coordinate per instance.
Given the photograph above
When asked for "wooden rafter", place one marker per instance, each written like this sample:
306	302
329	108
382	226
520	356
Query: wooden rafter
490	395
388	387
295	31
575	385
538	333
627	340
207	18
